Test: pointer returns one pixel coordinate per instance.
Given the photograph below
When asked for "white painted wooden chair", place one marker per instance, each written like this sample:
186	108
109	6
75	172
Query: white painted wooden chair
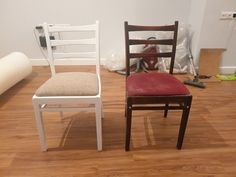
70	88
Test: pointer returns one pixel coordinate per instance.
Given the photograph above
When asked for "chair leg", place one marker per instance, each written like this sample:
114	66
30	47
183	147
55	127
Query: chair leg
128	126
183	124
99	125
166	111
40	127
102	109
125	110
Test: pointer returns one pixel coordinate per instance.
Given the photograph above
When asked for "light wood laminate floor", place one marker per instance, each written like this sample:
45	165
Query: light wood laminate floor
209	148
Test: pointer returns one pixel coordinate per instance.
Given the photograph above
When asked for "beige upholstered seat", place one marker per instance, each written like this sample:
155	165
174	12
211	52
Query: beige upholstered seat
70	84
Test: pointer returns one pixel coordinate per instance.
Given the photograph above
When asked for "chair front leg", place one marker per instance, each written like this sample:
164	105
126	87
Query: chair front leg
102	109
128	125
184	121
125	109
98	110
40	126
166	110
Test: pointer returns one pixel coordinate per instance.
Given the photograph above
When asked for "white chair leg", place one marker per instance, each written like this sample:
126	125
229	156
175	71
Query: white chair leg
40	127
102	109
99	125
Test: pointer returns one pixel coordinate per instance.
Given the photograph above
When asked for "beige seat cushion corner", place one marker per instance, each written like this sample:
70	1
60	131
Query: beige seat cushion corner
70	84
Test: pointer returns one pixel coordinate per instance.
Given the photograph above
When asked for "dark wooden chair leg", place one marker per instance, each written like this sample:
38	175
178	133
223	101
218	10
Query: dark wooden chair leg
125	110
183	124
128	126
166	111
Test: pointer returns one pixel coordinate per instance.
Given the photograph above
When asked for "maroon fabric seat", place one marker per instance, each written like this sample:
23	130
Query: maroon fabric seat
154	84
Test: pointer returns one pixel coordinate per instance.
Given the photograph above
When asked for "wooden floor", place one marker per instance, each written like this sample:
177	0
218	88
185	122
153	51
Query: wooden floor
209	147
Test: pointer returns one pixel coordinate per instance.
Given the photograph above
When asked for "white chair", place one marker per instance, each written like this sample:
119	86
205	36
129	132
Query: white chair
73	88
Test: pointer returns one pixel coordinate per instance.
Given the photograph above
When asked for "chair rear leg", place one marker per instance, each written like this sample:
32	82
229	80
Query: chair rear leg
40	126
125	109
128	126
102	109
166	110
98	110
184	121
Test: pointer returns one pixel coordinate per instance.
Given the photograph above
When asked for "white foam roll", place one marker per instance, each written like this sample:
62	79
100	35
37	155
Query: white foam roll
13	68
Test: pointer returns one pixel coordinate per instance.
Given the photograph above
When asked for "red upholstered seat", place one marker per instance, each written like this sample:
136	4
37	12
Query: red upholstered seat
154	84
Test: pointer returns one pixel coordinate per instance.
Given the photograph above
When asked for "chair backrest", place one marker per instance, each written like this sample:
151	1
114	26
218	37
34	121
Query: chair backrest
167	41
58	45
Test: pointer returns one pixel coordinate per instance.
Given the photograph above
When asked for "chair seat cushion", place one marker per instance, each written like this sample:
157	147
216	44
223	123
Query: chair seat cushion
70	84
154	84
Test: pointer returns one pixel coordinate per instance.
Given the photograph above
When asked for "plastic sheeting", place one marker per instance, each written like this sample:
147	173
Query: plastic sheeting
182	50
116	62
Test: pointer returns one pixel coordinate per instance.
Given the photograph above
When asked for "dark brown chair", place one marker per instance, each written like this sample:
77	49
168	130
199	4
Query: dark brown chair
160	91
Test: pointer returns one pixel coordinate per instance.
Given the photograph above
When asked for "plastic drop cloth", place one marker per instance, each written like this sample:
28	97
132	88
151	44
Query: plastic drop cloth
116	61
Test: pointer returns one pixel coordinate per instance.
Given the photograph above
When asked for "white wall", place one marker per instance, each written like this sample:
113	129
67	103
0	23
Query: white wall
211	32
218	33
18	18
196	17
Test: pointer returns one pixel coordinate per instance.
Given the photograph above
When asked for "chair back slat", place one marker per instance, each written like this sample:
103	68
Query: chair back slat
140	55
171	41
146	42
73	42
67	28
63	43
151	28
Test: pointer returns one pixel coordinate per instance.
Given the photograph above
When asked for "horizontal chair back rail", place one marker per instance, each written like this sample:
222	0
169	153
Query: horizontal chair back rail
146	42
91	41
67	28
151	28
140	55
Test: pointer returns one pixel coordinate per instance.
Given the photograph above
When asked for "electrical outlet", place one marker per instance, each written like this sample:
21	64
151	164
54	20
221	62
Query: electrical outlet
228	15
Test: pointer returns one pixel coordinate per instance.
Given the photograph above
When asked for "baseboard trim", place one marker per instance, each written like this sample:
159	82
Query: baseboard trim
39	62
44	62
227	69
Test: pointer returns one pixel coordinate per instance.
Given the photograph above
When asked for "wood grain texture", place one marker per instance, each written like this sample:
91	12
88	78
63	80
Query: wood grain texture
209	148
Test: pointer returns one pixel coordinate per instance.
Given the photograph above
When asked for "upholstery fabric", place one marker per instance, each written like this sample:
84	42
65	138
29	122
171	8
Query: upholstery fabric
154	84
70	84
